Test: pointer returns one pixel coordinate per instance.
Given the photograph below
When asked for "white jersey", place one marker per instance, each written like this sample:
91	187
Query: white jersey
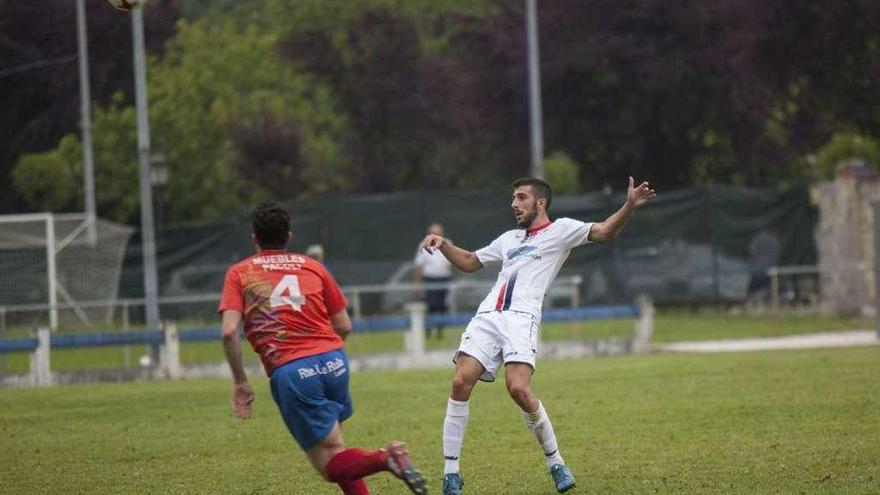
530	260
433	265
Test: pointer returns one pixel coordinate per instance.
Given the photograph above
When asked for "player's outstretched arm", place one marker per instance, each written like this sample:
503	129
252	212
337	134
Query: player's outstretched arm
461	259
635	198
242	393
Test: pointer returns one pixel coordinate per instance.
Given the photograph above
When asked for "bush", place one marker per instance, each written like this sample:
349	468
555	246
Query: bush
562	173
844	146
50	180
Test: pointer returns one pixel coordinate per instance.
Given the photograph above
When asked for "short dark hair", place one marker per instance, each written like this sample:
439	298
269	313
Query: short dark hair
540	187
271	223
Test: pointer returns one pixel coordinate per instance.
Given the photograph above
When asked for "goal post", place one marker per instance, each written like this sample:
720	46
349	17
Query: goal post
54	261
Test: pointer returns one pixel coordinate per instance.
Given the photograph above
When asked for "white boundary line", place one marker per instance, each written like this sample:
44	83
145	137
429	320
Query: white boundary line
808	341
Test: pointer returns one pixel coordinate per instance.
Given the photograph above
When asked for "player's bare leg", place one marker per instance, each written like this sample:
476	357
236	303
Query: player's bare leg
467	372
320	454
518	377
348	467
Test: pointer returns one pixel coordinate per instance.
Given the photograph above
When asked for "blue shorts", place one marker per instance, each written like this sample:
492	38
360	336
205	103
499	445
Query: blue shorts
312	395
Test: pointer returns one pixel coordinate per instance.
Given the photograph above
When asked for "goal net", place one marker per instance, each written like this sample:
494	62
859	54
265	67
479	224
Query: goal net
59	269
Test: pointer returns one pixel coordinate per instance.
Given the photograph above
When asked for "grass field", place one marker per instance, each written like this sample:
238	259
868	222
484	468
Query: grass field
669	327
768	422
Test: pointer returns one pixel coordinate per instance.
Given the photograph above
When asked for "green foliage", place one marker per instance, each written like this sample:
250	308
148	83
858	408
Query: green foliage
335	15
195	9
41	103
252	126
715	157
562	173
117	192
51	180
115	156
233	123
258	98
843	147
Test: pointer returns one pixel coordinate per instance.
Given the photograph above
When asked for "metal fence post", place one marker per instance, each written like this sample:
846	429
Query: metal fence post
414	340
126	350
171	351
644	326
356	303
576	282
41	370
774	288
452	297
154	350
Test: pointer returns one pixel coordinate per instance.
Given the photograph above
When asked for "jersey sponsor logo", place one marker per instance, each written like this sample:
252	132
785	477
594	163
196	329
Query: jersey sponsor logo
522	251
279	262
336	366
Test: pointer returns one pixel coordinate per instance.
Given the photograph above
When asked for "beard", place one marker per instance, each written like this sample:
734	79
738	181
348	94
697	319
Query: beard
527	219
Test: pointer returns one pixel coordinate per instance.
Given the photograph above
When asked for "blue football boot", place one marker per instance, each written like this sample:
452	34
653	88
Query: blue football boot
562	477
452	483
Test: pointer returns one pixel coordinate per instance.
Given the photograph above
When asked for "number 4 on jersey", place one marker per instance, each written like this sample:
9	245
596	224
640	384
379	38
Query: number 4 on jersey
287	292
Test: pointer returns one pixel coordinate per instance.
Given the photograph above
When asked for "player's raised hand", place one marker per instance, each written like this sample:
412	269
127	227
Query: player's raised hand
637	196
432	242
242	396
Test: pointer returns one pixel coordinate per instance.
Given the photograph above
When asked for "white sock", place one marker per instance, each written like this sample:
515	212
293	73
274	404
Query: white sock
539	423
453	433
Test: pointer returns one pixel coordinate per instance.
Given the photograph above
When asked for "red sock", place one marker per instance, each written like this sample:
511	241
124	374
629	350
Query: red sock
351	464
354	487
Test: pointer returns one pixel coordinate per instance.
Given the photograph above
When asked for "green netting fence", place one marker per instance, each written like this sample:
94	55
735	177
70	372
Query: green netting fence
688	246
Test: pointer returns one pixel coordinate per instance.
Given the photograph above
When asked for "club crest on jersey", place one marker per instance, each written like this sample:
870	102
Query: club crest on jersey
522	251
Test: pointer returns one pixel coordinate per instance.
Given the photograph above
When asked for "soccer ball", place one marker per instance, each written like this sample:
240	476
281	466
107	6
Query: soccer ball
126	5
146	361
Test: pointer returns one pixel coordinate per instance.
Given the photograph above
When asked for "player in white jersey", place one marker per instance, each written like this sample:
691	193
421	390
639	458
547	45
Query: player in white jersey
505	328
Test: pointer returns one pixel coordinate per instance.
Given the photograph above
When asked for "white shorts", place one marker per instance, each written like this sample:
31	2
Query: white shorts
497	337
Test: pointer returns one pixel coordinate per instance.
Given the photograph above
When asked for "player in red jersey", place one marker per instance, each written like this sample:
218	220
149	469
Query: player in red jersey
295	318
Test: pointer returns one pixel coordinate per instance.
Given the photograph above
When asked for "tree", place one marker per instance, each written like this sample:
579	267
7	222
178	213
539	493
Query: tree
417	112
843	147
562	173
230	132
264	98
40	100
50	181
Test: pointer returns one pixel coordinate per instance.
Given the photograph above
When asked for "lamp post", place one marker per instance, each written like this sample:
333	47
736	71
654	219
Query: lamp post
148	235
86	121
535	114
158	180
